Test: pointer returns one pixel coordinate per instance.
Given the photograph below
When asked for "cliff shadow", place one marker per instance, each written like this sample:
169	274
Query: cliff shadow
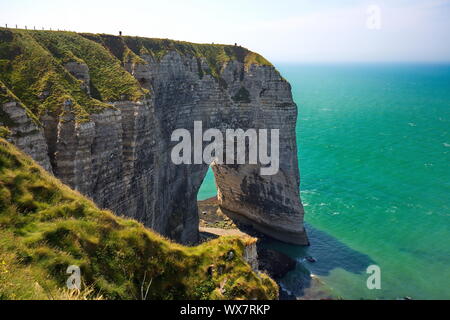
328	252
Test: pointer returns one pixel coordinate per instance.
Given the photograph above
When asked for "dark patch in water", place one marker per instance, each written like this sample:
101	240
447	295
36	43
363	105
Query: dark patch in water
330	254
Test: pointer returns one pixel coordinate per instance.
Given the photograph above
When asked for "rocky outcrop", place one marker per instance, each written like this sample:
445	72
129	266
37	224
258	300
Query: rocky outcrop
251	255
81	72
275	263
120	157
25	132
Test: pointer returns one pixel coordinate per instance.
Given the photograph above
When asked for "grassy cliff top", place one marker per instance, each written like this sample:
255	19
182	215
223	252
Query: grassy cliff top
131	49
46	227
32	66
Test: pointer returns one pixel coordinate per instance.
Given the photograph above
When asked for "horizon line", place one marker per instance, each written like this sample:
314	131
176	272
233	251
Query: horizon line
360	62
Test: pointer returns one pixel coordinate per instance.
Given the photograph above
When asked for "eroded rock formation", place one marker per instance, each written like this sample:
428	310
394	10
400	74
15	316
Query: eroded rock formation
120	157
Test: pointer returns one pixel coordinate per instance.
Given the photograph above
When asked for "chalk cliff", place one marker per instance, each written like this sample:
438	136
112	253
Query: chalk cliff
98	111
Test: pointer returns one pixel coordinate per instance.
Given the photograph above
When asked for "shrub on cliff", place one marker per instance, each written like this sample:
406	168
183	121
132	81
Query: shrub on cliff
46	227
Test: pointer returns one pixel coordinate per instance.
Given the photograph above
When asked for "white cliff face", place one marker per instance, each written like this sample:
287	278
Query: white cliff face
251	255
121	157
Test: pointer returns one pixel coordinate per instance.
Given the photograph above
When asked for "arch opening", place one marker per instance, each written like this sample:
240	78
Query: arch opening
212	221
208	188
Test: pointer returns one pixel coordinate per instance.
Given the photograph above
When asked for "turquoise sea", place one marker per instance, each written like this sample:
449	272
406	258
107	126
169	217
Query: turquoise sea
374	157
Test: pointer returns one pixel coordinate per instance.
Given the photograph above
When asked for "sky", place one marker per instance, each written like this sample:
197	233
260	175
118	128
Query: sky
281	30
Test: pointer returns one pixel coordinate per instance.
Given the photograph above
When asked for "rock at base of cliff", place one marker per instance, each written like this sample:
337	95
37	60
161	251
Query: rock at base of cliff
275	263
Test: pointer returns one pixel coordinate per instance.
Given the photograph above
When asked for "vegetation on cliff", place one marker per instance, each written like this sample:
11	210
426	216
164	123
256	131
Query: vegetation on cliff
46	227
131	49
37	78
33	66
4	132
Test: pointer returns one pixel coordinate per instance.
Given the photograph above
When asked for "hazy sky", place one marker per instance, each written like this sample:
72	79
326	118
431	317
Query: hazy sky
281	30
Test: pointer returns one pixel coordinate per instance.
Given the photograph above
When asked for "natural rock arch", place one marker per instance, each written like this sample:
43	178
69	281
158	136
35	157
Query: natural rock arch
270	203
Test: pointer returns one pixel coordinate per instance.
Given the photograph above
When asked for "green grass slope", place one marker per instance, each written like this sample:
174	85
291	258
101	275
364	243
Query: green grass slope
45	227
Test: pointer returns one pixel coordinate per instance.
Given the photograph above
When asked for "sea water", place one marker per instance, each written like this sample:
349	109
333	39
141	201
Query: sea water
374	157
